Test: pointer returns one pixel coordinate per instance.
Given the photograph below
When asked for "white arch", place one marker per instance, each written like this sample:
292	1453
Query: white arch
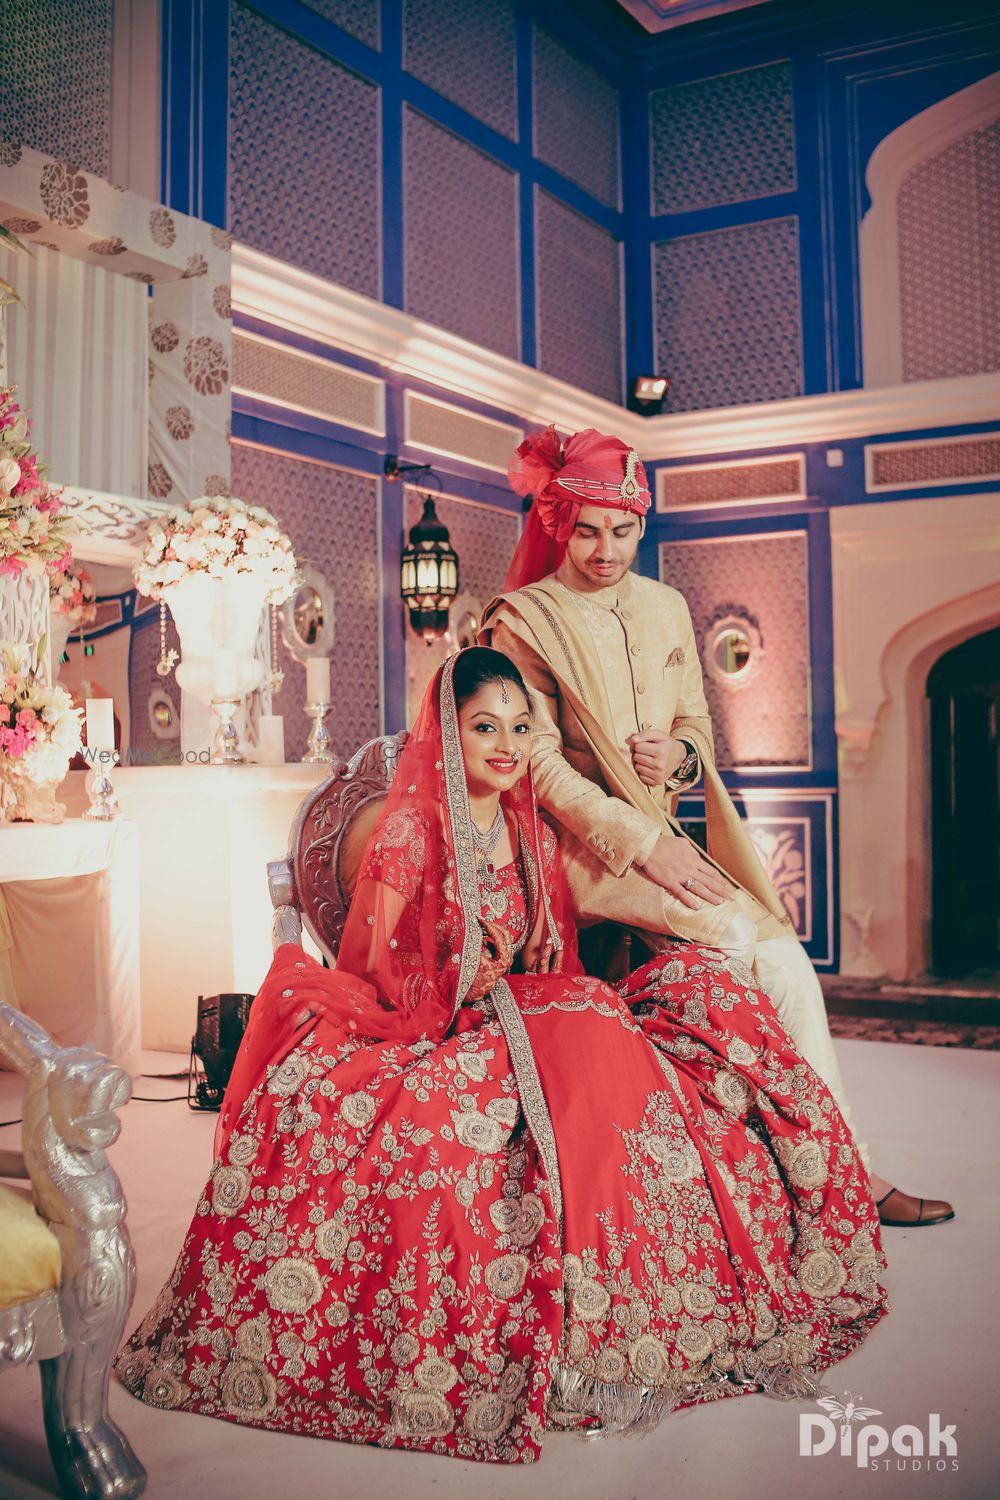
921	138
886	814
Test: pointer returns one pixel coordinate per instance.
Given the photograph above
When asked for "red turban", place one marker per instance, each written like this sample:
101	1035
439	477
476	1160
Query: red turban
591	469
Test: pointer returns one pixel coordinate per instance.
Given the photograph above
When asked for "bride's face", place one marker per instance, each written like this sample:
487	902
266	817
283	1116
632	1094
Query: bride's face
495	730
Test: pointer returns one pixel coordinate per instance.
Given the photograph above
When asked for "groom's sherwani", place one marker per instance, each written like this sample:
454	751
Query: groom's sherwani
602	666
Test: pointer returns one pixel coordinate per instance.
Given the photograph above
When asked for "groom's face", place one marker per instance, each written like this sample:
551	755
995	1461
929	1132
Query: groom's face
603	546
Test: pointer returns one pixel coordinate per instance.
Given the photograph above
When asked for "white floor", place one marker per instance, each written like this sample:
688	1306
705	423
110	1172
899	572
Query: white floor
931	1115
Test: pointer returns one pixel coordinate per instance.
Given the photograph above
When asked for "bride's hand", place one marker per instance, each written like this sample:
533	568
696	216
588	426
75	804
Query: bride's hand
536	955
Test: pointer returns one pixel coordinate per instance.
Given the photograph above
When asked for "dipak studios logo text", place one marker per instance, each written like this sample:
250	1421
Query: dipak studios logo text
844	1427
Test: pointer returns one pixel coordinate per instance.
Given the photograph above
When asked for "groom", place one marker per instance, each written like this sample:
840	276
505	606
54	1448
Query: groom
621	725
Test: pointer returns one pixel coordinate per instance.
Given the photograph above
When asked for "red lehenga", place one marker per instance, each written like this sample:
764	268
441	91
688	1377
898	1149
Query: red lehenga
454	1204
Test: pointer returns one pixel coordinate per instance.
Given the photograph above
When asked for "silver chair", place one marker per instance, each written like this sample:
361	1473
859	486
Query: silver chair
70	1098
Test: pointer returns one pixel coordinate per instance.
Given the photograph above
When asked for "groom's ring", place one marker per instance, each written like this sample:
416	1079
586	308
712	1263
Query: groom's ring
689	883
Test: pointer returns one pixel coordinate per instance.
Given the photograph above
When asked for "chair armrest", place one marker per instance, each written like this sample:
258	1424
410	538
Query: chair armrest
12	1164
70	1098
286	924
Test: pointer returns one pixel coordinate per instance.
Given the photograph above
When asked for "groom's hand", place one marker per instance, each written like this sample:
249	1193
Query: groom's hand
677	866
656	755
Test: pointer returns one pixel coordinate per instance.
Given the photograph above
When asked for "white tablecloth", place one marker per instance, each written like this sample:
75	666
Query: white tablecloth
69	931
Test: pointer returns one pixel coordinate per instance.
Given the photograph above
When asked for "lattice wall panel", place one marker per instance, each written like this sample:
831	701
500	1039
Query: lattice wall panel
466	52
685	486
439	428
579	300
723	140
728	319
261	368
303	156
360	18
461	237
330	515
56	89
576	119
764	719
894	466
948	226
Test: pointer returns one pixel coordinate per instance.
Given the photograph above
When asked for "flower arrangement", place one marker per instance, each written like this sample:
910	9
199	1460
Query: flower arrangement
35	532
39	727
72	594
216	536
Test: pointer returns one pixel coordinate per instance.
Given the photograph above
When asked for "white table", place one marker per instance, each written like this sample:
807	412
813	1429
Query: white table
205	912
69	931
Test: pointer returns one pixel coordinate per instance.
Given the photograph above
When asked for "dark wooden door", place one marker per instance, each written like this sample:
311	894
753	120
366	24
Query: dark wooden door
964	690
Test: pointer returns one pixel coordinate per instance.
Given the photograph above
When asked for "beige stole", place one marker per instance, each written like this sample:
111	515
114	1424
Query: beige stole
538	614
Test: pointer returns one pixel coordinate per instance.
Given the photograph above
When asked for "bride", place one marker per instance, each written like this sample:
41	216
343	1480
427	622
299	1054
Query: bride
462	1192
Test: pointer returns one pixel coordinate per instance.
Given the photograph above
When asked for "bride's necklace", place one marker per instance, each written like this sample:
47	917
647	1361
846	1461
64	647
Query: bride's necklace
486	844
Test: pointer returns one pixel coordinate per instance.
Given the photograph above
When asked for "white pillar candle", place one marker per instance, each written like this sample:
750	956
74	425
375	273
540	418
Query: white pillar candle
100	724
271	740
227	674
317	679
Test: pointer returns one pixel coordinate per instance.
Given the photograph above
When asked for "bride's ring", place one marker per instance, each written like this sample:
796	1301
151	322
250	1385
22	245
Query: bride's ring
689	883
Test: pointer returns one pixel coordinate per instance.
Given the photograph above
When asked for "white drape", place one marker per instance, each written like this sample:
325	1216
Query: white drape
78	350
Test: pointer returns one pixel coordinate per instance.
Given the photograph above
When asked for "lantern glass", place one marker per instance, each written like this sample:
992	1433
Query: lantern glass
428	574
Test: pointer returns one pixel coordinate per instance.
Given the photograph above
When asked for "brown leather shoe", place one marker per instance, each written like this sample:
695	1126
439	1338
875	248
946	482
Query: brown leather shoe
901	1210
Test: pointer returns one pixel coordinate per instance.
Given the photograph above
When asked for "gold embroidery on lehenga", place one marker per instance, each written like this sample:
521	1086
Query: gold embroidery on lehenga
536	1110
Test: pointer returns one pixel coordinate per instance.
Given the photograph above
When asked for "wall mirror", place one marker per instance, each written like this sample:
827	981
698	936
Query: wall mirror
308	618
732	648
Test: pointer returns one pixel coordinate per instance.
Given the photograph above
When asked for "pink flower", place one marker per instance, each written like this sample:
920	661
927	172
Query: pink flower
15	741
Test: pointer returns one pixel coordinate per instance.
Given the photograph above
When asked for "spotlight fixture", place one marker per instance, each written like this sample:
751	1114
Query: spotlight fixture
648	394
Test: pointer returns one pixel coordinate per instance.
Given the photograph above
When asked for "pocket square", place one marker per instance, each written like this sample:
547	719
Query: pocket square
676	657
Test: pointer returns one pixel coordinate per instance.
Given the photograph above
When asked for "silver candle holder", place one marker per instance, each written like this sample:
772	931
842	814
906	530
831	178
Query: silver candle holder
103	806
319	750
226	748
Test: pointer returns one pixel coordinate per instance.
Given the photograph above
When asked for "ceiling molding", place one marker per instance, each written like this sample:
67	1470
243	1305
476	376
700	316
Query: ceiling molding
662	15
310	307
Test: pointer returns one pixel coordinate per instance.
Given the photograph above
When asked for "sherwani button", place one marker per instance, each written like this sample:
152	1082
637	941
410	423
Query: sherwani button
640	687
625	614
635	650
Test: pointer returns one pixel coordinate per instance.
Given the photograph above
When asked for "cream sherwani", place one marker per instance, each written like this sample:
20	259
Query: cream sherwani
602	666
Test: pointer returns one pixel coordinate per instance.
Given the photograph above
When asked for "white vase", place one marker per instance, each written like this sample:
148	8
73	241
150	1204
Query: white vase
212	615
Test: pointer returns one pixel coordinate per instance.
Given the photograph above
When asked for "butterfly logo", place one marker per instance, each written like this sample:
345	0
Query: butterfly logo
847	1411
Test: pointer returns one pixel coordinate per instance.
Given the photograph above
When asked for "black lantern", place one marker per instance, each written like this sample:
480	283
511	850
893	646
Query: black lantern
428	574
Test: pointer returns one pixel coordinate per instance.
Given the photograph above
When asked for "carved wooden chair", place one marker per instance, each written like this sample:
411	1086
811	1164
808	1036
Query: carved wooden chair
314	883
67	1272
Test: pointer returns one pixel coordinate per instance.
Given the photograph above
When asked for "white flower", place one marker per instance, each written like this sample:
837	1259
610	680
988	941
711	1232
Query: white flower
10	474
